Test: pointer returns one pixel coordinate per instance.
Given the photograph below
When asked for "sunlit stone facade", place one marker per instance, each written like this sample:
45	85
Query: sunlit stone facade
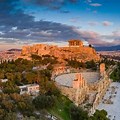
75	43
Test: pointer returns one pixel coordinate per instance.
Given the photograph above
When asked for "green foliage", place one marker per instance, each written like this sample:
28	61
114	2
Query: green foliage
36	57
115	76
43	101
76	64
31	77
30	118
90	45
45	73
10	116
2	113
16	102
61	108
44	60
99	115
91	65
20	72
2	75
77	113
10	87
48	87
107	62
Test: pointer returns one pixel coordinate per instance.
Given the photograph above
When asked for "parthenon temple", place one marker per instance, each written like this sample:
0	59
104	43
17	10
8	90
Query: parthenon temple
75	43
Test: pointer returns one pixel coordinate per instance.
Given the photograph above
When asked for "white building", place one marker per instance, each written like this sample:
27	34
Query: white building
3	80
31	89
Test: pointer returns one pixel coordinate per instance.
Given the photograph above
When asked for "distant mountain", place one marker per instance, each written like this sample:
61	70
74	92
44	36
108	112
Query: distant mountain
111	48
12	50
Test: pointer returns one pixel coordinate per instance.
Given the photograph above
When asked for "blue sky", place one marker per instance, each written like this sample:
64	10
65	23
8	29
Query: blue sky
23	22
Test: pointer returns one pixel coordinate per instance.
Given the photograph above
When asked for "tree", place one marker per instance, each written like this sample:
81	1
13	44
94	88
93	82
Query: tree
115	76
10	116
2	113
31	77
43	101
7	105
10	87
18	78
91	65
90	45
36	57
99	115
10	76
2	75
77	113
29	118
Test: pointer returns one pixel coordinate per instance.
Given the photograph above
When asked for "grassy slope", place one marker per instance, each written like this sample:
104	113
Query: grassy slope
61	108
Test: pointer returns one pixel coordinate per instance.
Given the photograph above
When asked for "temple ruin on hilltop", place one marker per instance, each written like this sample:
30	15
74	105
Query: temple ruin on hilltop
75	50
75	43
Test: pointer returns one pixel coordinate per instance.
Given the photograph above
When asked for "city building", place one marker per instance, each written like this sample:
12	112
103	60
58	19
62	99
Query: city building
31	89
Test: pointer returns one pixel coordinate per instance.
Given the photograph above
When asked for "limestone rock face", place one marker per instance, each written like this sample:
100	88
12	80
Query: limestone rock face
75	50
40	49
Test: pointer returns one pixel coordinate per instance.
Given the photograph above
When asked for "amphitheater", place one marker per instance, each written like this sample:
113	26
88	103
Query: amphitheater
84	87
67	79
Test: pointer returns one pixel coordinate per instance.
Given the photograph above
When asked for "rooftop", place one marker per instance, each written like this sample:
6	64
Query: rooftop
28	85
75	40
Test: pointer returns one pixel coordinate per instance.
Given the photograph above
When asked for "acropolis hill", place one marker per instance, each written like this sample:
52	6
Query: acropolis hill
75	50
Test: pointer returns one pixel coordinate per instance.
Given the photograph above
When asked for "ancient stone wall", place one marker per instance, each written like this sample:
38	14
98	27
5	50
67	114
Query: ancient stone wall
80	90
68	91
102	86
76	95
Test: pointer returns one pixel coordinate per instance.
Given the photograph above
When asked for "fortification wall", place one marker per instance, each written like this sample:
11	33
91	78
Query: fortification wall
78	96
68	91
102	87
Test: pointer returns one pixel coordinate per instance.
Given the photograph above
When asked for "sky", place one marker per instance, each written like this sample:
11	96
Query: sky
24	22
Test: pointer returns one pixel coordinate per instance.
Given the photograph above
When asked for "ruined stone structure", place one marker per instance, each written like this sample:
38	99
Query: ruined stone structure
75	43
102	69
84	90
80	85
60	69
75	50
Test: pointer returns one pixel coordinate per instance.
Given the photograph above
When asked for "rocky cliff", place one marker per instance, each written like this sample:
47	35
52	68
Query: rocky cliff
81	53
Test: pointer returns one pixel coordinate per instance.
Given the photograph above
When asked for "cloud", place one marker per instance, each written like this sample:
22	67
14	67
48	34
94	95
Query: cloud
95	4
107	23
97	39
74	19
89	1
114	36
17	27
104	23
51	4
15	24
93	23
116	33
